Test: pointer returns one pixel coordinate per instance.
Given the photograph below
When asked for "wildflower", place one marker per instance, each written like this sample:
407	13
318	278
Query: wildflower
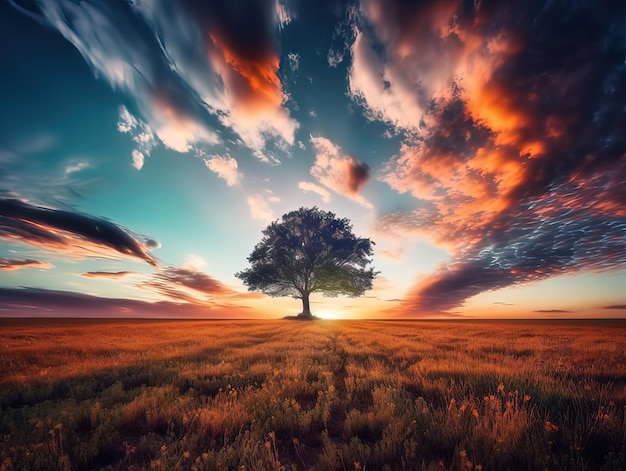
357	465
550	427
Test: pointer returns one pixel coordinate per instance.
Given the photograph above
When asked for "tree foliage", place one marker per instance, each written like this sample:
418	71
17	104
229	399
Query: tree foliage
309	251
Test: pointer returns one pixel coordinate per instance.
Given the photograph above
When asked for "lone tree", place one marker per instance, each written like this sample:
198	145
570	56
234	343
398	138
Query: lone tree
309	251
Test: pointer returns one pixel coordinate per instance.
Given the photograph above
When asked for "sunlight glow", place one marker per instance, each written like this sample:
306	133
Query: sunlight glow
328	314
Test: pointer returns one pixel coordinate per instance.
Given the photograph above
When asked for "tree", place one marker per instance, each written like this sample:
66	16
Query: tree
310	251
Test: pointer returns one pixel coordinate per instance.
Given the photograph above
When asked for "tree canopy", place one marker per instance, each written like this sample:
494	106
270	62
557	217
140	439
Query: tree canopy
310	250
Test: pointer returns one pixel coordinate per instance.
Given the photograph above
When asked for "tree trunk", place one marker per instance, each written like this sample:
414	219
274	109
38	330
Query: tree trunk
306	308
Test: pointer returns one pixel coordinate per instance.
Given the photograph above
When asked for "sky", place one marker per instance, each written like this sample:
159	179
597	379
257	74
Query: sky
145	144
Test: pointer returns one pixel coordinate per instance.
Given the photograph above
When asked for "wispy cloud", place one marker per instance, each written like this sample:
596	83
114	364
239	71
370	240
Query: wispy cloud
27	170
231	62
294	61
141	133
76	167
192	286
33	302
343	36
260	208
74	234
225	167
392	254
18	264
283	13
313	188
116	275
334	57
615	306
552	311
541	239
187	68
186	284
508	171
345	175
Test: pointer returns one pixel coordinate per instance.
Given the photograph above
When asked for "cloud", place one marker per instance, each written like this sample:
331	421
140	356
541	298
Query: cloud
334	57
551	235
343	36
74	234
141	133
343	174
511	125
392	254
187	68
178	130
294	61
77	167
186	284
27	169
273	199
138	159
108	275
33	302
283	15
552	311
231	61
313	188
615	306
18	264
260	208
225	167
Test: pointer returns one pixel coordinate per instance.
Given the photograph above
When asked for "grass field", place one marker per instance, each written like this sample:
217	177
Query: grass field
324	395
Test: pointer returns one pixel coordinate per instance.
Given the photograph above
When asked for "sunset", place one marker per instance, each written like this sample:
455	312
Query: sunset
438	186
484	157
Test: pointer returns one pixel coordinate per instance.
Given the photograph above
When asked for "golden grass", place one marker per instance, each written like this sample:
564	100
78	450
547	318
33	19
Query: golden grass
324	395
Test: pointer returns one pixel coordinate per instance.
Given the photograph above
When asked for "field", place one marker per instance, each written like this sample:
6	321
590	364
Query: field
324	395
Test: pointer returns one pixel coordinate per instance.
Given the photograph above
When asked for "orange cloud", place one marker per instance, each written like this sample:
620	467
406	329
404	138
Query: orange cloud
343	174
513	141
10	265
191	68
253	95
74	234
108	275
260	86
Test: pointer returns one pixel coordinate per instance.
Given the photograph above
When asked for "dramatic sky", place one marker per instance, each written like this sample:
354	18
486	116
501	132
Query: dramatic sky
145	144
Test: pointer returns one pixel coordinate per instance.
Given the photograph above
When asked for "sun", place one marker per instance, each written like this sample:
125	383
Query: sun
328	314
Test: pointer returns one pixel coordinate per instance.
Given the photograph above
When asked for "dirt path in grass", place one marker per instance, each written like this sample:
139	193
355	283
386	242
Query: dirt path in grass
338	360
